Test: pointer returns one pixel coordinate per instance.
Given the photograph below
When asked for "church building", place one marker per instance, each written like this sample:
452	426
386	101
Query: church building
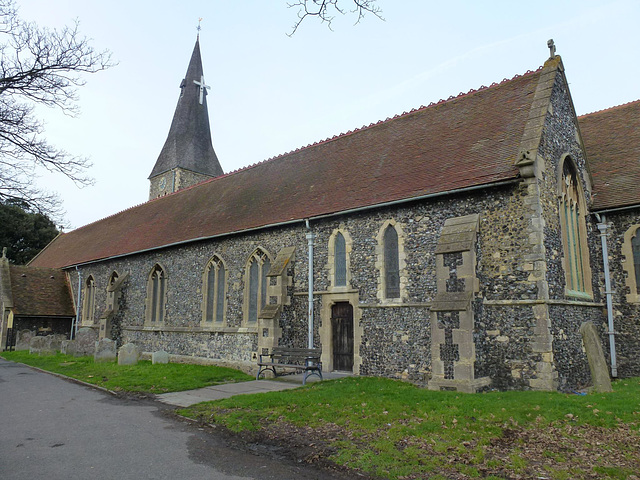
461	245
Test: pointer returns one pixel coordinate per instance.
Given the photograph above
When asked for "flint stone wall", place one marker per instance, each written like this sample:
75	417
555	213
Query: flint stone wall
396	338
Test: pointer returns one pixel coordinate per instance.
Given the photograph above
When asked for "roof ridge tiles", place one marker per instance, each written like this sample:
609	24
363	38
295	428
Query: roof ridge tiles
610	108
398	115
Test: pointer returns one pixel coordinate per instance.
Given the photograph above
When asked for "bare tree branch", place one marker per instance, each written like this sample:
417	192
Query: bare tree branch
39	66
324	9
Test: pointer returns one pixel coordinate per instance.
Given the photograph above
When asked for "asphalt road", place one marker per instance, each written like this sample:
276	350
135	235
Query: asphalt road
51	428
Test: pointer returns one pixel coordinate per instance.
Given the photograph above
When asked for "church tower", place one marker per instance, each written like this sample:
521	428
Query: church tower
187	157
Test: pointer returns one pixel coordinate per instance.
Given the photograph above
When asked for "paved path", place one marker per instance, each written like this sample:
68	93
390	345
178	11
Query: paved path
189	397
56	429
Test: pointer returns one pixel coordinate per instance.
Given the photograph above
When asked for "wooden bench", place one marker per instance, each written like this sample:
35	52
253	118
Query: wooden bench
307	359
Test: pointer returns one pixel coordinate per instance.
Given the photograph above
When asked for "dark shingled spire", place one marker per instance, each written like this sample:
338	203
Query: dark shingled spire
188	144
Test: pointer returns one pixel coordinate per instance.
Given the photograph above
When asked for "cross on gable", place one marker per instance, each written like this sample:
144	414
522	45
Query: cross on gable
202	86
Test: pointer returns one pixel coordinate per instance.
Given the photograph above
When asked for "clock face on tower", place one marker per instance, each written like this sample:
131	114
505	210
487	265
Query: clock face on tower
163	182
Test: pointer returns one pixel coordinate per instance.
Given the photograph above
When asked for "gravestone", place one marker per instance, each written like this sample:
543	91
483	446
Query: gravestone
128	354
159	357
47	344
597	362
105	350
85	342
24	339
39	345
67	347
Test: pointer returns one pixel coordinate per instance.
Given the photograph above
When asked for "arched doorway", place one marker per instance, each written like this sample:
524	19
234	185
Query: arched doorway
342	336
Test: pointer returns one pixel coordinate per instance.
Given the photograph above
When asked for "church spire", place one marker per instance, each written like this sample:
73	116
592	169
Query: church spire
187	156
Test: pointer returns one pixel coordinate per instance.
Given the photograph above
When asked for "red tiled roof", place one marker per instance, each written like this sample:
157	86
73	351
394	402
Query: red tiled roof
466	141
40	292
612	140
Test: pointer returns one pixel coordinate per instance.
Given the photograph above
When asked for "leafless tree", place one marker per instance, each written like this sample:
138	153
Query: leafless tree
325	10
39	66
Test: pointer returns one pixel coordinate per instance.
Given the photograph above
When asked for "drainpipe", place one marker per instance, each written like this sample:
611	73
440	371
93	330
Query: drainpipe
602	226
74	328
310	237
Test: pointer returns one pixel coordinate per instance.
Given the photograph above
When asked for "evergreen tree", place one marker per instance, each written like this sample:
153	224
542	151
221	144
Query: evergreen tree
24	232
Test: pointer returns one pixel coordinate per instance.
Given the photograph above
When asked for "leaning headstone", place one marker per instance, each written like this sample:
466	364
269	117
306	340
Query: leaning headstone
85	342
597	362
105	350
128	354
23	339
159	357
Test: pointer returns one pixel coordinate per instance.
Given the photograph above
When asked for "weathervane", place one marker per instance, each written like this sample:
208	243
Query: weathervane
198	27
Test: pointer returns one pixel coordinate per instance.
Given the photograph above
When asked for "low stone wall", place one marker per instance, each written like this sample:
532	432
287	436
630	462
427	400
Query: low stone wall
234	348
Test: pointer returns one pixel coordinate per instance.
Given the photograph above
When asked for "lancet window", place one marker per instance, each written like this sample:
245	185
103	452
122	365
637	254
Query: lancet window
214	291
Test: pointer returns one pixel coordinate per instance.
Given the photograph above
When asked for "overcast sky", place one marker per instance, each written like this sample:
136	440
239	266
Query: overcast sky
271	93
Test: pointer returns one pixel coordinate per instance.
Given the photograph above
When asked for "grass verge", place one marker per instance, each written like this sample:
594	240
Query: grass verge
398	431
143	377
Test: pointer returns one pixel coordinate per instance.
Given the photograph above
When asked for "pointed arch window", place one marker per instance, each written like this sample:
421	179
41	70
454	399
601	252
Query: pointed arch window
574	233
214	291
113	278
89	303
256	293
156	295
340	260
391	263
635	248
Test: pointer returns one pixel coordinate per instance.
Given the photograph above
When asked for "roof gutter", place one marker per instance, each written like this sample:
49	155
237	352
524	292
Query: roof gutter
304	220
617	209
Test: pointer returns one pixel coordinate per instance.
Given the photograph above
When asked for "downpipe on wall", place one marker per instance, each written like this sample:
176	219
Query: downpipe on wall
310	237
74	328
603	226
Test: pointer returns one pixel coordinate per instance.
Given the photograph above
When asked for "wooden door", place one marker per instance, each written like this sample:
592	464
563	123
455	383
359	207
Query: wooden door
342	331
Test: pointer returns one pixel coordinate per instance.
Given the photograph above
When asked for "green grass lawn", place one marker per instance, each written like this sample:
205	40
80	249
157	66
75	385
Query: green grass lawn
396	430
143	377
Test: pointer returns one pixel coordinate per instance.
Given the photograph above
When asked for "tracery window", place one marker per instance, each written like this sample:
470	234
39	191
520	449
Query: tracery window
89	302
156	295
391	263
256	293
214	290
574	234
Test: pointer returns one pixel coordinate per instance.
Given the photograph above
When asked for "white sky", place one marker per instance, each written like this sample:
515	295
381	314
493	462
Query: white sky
271	93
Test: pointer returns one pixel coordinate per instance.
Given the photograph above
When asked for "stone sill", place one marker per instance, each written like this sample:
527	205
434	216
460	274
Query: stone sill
576	294
250	330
